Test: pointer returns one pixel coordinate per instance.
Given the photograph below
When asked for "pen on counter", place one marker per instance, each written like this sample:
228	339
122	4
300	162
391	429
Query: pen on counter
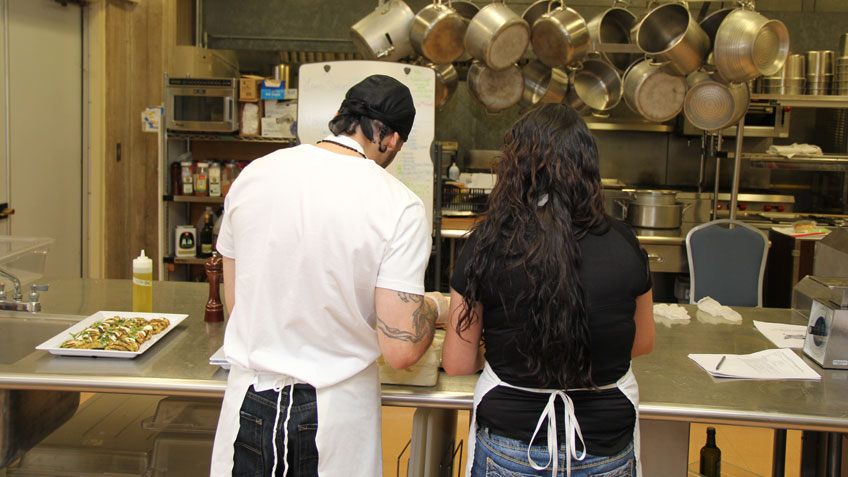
720	362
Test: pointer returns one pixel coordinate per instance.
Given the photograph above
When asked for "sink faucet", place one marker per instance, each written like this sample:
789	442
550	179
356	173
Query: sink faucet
17	303
18	293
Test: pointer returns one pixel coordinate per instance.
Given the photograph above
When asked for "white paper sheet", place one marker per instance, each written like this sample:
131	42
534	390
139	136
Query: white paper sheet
782	335
780	363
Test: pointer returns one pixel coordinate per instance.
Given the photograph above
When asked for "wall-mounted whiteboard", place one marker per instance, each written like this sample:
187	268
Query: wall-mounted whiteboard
322	87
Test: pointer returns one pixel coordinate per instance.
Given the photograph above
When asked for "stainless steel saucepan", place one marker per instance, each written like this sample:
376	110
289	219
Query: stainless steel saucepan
384	33
437	33
560	37
670	35
542	84
495	89
653	93
598	85
446	82
613	27
497	36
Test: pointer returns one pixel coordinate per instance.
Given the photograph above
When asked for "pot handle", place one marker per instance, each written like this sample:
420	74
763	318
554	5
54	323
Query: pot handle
654	62
623	205
655	3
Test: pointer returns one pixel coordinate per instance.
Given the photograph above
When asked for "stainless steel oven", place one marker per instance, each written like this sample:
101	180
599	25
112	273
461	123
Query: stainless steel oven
201	104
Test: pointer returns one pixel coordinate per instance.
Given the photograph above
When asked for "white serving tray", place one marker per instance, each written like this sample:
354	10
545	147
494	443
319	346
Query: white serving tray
53	345
218	359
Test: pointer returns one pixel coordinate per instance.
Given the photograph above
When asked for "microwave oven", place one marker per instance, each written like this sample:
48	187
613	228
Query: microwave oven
201	104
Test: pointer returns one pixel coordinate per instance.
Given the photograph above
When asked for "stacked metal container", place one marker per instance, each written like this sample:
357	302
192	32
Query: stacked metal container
790	79
842	66
820	72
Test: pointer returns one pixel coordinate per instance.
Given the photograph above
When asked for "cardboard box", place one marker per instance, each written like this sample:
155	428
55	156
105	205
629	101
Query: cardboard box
249	86
274	108
273	89
279	118
279	127
250	118
276	89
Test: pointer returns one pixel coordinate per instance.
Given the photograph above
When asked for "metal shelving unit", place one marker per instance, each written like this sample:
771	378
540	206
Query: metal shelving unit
227	138
194	199
826	162
803	101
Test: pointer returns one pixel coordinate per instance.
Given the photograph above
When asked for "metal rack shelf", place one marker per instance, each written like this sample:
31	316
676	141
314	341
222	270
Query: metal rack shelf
826	162
193	199
804	101
227	138
184	260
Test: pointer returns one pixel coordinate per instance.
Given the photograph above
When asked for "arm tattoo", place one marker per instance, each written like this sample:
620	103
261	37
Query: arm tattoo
423	321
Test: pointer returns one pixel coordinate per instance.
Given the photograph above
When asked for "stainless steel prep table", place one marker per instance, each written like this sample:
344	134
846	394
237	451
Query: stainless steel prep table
672	387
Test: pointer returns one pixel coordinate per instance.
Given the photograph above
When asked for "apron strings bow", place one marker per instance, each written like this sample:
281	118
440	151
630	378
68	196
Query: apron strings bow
572	428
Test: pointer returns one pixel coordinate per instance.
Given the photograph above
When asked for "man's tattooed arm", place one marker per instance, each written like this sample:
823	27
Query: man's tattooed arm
423	320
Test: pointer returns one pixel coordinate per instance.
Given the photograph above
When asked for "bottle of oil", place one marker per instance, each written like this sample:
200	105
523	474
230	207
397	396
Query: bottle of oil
710	456
142	283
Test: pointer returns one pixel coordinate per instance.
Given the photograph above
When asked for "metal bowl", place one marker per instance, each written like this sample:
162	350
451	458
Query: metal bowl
748	45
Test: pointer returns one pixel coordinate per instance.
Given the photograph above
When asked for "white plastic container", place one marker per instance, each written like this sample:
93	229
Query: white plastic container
24	257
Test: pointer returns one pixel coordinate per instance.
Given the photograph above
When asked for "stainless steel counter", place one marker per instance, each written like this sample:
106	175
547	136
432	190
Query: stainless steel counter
672	387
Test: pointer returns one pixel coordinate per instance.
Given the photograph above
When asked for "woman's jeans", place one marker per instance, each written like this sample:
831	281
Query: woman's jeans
501	456
253	452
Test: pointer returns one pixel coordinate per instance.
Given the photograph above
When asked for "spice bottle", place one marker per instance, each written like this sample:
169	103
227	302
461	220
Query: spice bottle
201	178
142	283
228	175
214	179
187	178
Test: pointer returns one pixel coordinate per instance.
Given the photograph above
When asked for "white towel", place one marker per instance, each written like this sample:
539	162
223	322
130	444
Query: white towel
671	311
795	149
711	306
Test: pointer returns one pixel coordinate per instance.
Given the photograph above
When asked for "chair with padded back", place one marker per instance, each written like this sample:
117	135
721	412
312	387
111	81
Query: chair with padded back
726	263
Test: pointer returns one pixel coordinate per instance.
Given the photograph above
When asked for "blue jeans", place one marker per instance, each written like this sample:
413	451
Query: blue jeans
497	456
253	452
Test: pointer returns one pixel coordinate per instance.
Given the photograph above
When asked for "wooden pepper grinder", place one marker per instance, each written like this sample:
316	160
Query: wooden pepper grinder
214	270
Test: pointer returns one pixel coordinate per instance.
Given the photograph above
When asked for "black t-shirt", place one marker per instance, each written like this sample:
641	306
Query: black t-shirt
613	271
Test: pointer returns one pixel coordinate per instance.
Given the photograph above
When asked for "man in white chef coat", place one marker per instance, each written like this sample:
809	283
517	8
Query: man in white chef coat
324	259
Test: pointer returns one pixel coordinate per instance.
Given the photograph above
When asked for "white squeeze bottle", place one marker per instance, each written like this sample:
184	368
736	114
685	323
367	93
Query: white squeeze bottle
142	283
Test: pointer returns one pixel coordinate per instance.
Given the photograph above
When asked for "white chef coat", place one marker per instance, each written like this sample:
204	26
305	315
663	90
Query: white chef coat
313	233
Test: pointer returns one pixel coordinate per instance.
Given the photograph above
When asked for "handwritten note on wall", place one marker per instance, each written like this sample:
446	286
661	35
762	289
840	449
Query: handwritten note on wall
322	87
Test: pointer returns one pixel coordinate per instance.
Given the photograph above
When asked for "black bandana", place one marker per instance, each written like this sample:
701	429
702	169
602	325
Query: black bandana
385	99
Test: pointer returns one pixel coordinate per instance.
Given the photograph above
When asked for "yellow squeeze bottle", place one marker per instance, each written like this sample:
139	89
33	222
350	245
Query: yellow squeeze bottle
143	284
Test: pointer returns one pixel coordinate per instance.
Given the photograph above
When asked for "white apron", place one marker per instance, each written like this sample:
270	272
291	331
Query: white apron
489	380
348	436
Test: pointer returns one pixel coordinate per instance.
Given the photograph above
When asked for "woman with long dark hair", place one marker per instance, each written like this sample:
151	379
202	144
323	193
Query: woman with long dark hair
560	294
